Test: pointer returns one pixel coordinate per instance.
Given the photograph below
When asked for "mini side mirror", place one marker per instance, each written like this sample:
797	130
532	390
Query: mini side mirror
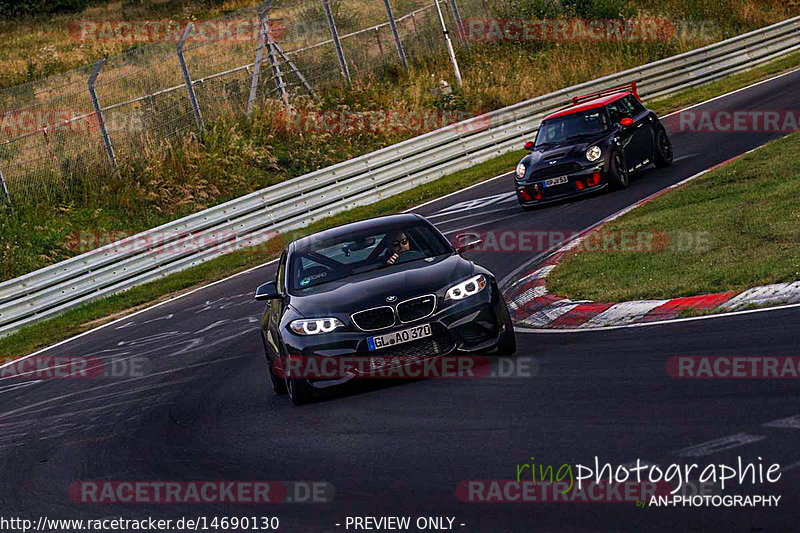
626	122
529	145
267	291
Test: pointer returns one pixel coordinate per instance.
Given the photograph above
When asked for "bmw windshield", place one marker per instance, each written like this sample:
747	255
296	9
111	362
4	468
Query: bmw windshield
572	127
324	261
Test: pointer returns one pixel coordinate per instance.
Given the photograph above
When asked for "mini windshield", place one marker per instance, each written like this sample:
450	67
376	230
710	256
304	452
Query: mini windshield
324	261
575	126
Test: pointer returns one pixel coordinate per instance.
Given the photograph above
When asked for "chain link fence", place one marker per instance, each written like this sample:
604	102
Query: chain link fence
65	131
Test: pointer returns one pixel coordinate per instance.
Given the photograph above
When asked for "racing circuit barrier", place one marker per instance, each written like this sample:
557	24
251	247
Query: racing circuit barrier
364	180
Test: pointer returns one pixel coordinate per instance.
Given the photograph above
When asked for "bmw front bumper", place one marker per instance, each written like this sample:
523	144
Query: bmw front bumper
471	325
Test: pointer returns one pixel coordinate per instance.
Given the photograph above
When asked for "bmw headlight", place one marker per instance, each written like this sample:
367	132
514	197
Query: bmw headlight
520	171
467	288
594	153
315	326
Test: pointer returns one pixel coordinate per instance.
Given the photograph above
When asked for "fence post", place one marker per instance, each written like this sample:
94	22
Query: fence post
378	38
100	120
462	34
449	44
188	78
393	24
288	61
273	61
4	189
336	42
257	65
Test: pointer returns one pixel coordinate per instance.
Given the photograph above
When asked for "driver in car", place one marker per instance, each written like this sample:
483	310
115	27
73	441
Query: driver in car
398	243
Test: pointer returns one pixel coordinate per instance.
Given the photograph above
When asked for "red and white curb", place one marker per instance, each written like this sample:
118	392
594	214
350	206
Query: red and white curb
532	306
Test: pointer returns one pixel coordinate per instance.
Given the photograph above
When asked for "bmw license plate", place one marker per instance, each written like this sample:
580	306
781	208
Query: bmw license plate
399	337
556	181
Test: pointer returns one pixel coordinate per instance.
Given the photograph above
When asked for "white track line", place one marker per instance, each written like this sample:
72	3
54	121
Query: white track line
479	214
457	192
719	445
790	467
792	422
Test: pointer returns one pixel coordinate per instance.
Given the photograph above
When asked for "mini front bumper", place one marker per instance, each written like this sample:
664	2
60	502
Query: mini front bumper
587	180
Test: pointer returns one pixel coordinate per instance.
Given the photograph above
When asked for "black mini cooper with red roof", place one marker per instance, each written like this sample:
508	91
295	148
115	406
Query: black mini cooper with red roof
599	140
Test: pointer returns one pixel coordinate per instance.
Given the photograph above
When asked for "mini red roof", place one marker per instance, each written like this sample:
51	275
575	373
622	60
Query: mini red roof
586	106
595	100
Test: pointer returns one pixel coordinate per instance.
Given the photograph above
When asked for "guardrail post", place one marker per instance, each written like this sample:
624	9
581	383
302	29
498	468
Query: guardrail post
336	42
459	23
188	78
273	61
99	113
4	189
257	65
400	51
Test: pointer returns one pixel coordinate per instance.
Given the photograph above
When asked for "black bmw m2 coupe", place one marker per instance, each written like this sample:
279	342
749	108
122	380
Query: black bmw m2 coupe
391	287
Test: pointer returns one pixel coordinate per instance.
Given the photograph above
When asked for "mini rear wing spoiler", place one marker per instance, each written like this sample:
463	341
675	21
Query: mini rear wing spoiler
621	88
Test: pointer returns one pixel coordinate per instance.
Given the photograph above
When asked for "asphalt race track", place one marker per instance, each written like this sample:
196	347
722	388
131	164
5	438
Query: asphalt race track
204	409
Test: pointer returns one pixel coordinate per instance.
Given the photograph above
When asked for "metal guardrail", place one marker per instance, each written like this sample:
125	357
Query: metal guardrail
360	181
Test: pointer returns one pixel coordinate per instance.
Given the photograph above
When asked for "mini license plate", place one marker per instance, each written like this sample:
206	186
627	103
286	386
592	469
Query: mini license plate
399	337
556	181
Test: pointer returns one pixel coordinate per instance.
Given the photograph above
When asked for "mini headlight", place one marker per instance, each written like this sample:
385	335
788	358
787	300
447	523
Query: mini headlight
520	171
462	290
315	326
594	153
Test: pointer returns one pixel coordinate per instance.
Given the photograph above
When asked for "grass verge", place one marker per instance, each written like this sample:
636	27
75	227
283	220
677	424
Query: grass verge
95	313
733	228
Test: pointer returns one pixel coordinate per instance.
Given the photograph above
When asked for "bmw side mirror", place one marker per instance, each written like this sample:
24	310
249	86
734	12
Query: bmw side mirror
267	291
626	122
468	246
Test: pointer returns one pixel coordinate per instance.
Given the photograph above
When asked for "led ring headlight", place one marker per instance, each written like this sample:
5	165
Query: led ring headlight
315	326
467	288
594	153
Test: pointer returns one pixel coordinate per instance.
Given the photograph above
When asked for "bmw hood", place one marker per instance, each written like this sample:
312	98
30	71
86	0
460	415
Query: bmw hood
371	289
